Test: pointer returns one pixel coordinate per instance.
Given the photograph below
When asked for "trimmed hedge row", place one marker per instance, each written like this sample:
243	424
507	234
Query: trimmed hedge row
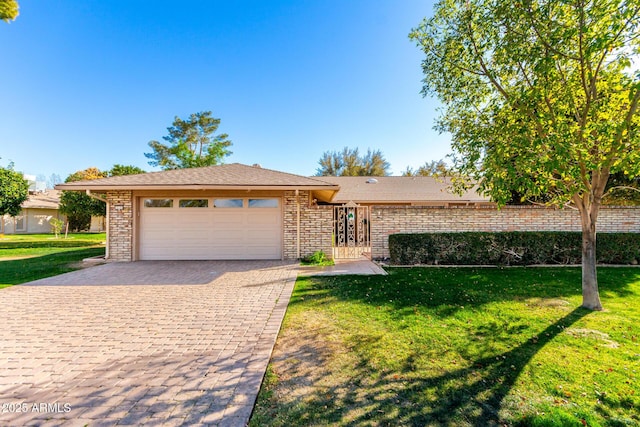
510	248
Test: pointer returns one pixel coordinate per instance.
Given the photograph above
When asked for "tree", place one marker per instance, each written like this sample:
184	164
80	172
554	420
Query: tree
53	180
348	162
191	143
14	190
80	207
434	168
540	99
9	10
622	191
118	170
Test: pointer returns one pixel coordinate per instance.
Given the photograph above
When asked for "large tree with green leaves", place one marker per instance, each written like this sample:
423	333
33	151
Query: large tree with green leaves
9	10
191	143
14	190
540	98
349	162
80	207
118	170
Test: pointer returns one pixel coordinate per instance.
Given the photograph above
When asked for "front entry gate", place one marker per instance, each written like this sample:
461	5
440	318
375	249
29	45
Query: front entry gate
352	231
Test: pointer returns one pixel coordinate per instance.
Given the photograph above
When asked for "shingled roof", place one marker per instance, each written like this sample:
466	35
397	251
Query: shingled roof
400	190
230	176
50	199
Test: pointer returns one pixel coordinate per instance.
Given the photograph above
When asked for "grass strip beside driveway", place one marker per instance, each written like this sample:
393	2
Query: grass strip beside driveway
457	346
24	258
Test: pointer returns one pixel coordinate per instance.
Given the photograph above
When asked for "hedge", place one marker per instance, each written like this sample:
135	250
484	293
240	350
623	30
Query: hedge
510	248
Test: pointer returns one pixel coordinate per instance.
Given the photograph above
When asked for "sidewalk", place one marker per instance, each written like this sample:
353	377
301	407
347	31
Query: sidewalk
359	266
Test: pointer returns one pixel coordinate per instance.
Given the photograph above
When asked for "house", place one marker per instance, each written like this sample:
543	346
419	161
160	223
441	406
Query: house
36	213
237	211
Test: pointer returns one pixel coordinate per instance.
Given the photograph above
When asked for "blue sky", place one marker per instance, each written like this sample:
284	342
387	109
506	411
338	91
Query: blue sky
90	83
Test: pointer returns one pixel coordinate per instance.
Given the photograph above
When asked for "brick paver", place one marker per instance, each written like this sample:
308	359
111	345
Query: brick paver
145	343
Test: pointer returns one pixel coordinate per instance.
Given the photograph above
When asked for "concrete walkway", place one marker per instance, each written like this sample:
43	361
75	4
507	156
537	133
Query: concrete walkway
145	343
360	266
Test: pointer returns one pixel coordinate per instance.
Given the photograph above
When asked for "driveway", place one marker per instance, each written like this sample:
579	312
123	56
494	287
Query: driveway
144	343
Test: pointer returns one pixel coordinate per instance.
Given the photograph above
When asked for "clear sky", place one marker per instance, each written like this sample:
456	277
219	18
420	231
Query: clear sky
90	83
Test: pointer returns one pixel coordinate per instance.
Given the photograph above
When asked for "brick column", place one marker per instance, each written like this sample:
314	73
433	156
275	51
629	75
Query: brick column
120	225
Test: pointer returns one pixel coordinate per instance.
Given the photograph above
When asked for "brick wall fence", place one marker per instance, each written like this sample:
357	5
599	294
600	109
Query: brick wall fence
387	220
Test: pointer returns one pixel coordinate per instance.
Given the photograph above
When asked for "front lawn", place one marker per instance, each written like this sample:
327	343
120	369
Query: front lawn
33	256
458	347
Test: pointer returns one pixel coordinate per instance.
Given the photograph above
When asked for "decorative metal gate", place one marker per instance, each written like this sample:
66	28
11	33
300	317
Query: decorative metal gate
352	231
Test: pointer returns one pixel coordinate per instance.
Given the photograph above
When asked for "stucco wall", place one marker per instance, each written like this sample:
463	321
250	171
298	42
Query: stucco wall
36	220
387	220
316	226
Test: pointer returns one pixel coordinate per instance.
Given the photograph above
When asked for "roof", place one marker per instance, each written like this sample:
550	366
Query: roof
50	199
399	189
231	176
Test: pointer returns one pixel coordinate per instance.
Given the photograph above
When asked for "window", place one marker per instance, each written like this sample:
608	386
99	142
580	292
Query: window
158	203
20	223
227	203
263	203
194	203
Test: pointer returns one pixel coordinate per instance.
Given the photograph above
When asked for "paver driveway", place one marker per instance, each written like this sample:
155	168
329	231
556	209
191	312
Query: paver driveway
145	343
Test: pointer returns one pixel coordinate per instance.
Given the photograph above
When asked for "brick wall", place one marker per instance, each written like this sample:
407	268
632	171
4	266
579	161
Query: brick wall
316	226
120	225
386	220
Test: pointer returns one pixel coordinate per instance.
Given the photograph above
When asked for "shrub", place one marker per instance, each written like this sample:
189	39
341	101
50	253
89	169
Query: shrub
317	258
509	248
56	226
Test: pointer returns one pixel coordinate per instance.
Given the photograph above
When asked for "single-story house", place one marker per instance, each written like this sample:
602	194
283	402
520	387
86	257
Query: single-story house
237	211
36	213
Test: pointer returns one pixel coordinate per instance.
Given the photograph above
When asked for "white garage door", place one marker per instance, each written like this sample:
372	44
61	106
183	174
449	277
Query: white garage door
211	228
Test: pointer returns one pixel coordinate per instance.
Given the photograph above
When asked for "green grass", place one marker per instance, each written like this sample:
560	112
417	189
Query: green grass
459	347
34	256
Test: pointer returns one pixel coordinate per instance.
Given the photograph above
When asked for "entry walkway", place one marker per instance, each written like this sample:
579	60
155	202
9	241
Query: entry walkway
360	266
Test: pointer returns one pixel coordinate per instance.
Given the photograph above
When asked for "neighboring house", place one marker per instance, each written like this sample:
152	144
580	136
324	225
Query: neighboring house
36	213
237	211
401	191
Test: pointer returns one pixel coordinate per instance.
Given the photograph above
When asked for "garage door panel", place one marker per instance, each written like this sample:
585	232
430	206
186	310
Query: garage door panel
175	233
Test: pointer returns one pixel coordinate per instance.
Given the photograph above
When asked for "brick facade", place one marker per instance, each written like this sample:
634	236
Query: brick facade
316	223
387	220
120	226
316	226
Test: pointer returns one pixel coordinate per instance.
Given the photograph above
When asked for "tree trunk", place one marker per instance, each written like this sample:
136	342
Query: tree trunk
590	294
588	205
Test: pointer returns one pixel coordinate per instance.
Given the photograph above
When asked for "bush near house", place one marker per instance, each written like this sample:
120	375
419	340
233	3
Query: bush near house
509	248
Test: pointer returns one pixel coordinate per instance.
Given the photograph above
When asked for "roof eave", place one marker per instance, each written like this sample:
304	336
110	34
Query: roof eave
405	201
70	187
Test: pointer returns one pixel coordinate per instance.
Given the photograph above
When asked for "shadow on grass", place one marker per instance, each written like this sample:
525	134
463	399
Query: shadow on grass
14	272
473	394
